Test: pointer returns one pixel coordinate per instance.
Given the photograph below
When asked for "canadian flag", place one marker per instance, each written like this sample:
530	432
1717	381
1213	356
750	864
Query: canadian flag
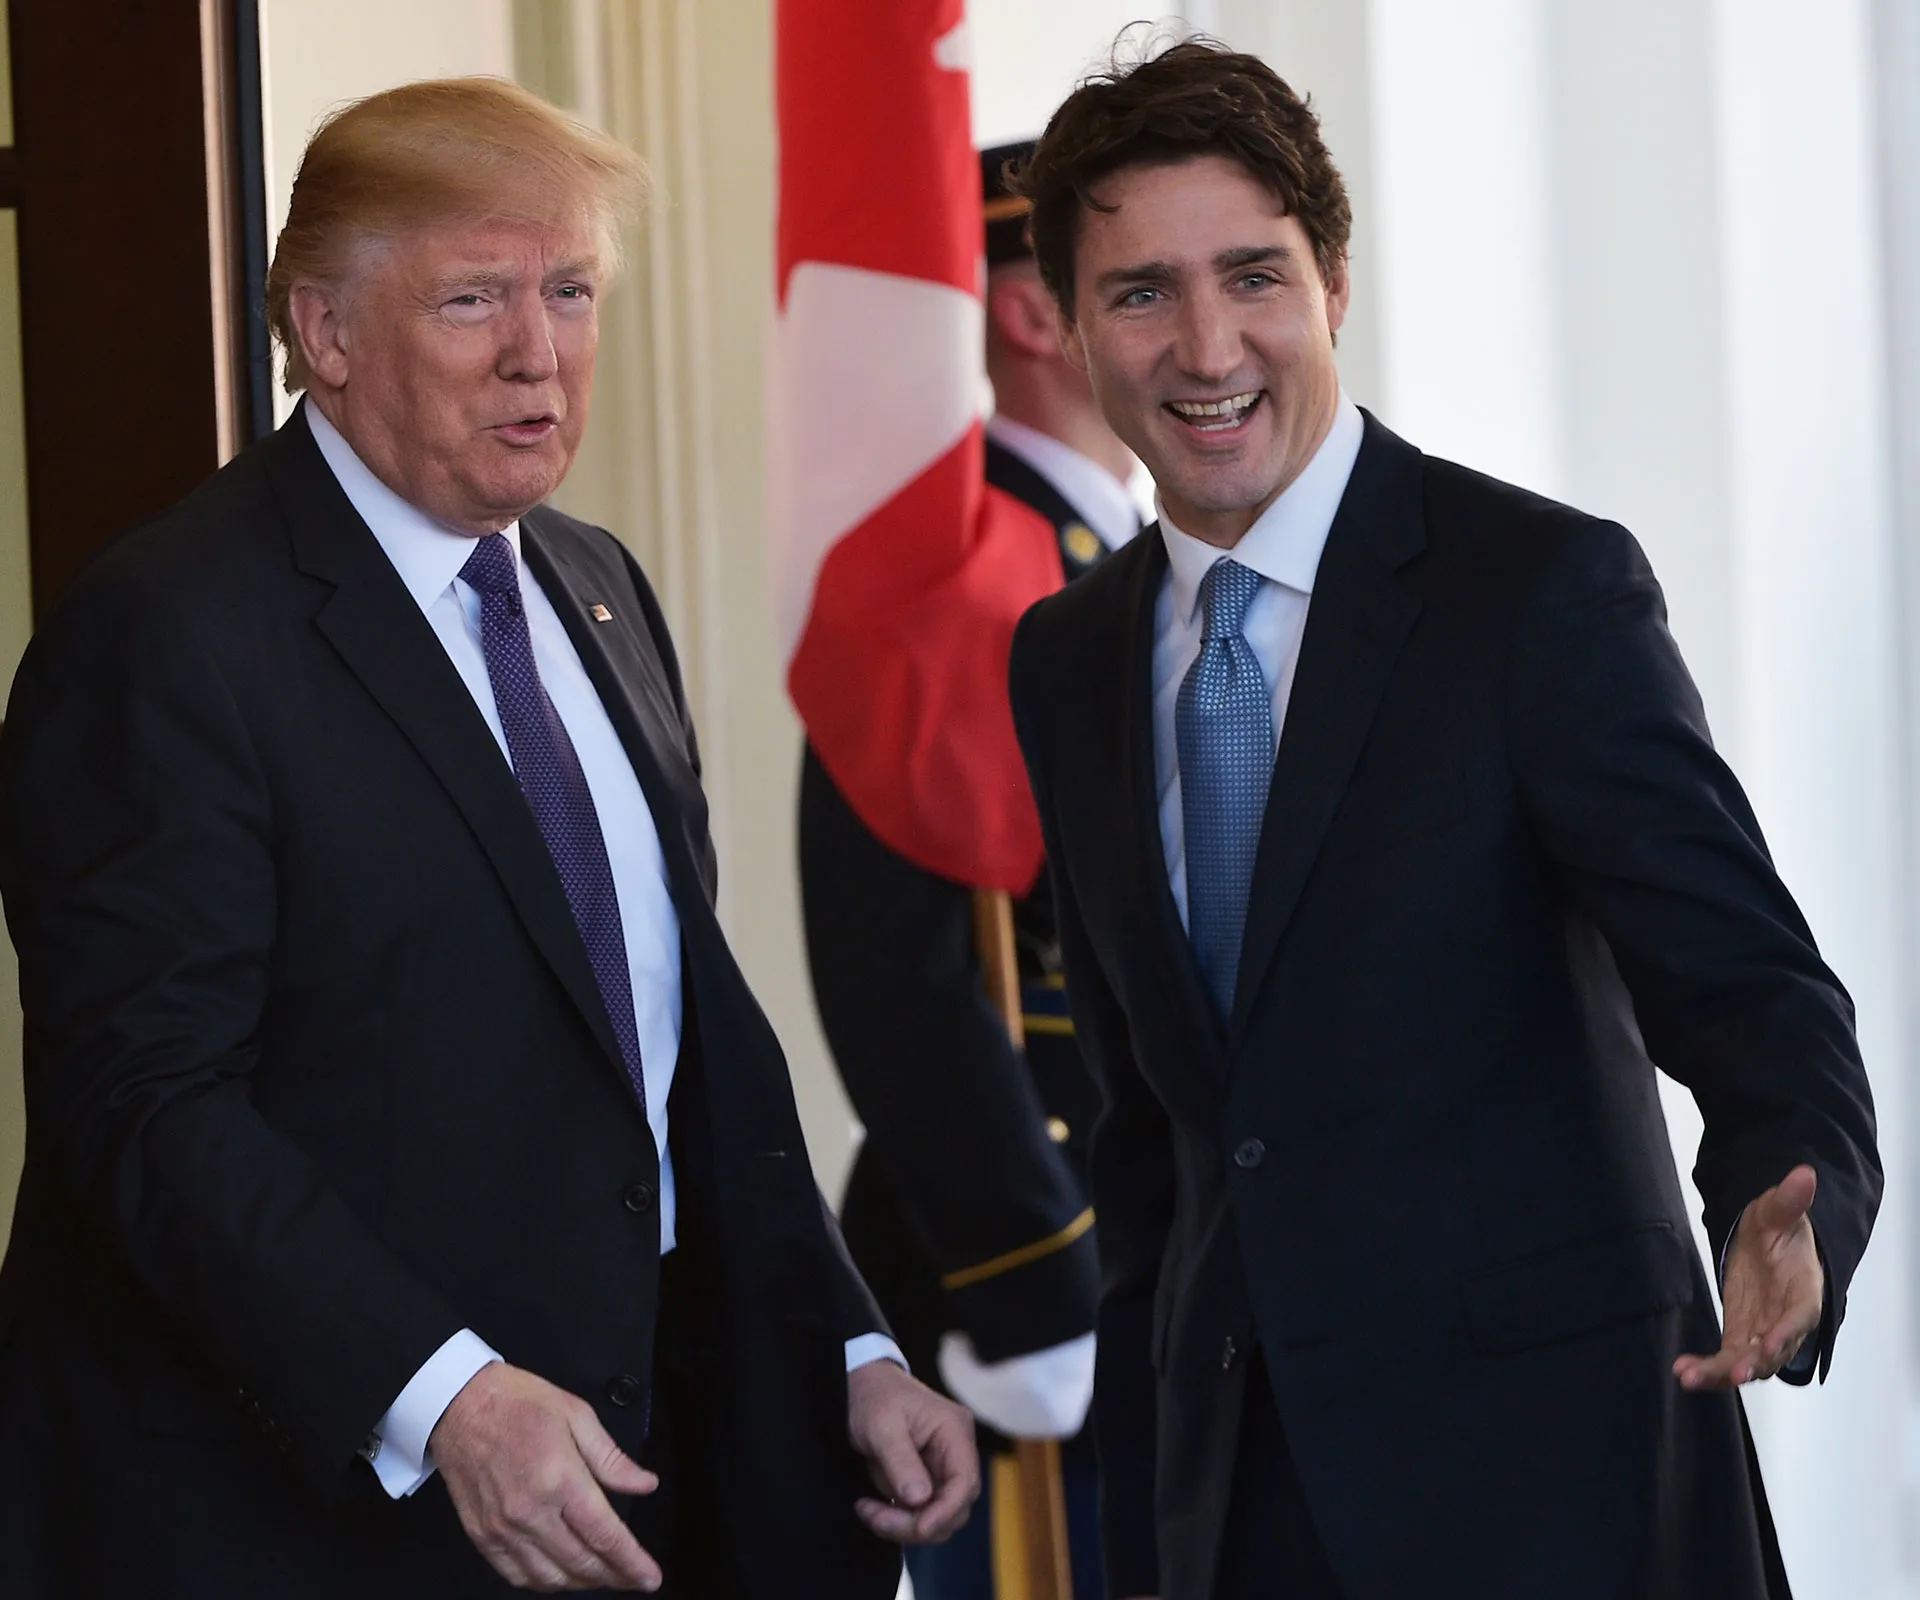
898	575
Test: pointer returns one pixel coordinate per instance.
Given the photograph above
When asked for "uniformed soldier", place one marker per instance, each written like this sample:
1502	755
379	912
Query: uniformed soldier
967	1207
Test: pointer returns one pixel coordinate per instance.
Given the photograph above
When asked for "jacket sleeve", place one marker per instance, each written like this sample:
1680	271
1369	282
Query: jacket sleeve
1133	1193
950	1110
1657	843
137	844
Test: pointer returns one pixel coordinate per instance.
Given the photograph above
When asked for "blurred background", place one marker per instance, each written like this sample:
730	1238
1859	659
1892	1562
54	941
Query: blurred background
1659	258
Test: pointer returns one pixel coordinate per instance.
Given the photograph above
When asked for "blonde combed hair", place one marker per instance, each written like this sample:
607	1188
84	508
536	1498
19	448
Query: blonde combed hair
445	151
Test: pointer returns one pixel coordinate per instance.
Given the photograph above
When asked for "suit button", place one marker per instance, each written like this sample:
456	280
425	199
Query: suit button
638	1199
1229	1352
625	1390
1249	1154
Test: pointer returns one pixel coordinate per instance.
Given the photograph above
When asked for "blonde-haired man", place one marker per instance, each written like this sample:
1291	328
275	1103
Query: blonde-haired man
412	1178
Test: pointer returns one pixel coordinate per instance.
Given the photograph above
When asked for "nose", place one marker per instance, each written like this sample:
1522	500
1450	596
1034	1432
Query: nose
527	354
1208	345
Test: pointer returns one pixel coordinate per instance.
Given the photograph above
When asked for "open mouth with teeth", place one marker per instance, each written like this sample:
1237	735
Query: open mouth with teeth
1218	416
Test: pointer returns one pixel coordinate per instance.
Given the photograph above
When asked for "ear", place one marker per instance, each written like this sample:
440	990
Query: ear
319	322
1021	311
1339	295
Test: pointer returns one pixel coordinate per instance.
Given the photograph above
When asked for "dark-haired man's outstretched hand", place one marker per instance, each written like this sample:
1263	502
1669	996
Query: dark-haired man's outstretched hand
1774	1289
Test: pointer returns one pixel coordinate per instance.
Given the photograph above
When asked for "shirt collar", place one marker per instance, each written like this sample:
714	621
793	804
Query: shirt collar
1285	543
427	554
1099	497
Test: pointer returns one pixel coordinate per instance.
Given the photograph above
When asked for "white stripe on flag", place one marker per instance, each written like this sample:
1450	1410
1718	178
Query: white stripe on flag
871	378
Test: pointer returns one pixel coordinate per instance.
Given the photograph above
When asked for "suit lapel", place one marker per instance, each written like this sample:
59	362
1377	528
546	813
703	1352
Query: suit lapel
638	701
387	643
1359	618
1148	852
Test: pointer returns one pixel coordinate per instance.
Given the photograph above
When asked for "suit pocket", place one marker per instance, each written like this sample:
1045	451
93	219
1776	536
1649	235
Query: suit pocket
1558	1294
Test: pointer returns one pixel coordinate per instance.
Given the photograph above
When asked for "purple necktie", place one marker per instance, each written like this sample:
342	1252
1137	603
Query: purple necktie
551	778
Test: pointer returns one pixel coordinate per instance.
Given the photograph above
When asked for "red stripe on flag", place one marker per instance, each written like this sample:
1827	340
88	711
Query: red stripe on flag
901	677
876	147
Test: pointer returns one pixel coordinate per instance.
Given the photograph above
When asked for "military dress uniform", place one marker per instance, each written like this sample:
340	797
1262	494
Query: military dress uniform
967	1205
967	1208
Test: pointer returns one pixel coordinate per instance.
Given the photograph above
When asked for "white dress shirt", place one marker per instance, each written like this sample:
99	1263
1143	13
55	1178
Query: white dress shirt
428	558
1284	547
1100	497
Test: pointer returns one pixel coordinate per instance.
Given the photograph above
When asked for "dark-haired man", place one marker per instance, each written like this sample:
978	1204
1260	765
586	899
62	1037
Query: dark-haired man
1390	852
967	1206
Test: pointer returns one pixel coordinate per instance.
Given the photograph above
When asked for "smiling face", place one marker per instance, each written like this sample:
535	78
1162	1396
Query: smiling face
459	364
1207	331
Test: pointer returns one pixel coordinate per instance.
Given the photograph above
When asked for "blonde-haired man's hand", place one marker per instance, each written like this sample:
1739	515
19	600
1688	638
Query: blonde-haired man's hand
528	1466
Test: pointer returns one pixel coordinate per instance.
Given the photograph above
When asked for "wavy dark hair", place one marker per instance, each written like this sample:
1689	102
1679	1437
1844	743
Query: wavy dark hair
1195	98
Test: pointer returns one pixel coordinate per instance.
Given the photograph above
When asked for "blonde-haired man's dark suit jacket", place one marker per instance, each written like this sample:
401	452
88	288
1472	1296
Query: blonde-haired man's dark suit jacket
318	1075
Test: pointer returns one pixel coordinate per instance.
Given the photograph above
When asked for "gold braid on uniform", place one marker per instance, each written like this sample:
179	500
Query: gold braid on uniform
1039	1250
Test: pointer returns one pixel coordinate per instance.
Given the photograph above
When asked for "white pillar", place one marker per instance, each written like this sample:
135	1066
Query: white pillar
1897	57
1636	291
1027	58
1471	353
1819	730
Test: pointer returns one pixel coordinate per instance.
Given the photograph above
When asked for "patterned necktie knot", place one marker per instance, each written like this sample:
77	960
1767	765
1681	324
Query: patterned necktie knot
1225	593
491	569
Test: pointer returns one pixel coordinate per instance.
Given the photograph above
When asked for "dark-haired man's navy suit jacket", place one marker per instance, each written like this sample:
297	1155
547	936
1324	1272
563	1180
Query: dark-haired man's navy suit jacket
1422	1169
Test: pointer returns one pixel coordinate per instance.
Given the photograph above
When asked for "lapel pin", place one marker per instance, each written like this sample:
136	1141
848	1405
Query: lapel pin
601	613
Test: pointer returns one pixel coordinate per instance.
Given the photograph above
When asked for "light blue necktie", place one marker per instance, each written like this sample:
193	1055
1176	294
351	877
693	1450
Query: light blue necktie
1223	721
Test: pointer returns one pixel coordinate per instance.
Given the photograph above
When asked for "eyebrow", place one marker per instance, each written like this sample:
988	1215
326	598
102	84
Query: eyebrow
491	274
1250	255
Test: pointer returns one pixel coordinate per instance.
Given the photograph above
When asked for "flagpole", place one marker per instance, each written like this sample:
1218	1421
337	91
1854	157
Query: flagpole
1046	1573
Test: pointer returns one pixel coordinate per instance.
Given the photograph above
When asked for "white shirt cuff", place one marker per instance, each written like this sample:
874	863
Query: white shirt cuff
397	1447
871	1347
1044	1395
